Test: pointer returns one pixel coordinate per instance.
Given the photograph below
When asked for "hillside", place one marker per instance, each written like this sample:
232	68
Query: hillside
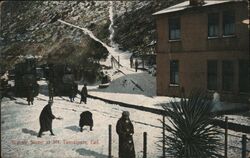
32	28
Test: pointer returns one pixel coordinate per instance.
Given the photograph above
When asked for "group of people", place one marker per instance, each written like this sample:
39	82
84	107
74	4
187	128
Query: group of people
83	93
124	128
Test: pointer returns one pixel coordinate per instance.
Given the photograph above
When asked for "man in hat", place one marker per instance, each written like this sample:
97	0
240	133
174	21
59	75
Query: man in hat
72	93
84	94
125	131
46	118
51	91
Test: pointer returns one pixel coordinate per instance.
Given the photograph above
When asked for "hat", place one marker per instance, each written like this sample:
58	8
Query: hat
125	113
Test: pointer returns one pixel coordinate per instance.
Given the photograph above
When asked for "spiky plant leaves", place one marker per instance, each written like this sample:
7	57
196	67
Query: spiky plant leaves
191	133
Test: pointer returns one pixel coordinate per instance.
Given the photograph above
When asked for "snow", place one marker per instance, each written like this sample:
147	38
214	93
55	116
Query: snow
122	89
20	122
185	5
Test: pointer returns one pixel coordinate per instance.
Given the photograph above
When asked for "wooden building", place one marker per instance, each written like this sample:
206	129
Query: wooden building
204	45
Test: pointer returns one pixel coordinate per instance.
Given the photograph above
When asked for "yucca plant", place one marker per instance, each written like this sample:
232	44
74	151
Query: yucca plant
190	134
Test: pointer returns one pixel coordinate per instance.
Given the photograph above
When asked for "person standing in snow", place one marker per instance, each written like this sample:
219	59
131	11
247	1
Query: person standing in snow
46	118
125	131
86	120
30	92
84	94
131	61
136	65
51	91
72	93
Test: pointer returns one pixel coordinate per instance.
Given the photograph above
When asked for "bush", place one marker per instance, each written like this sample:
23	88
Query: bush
191	134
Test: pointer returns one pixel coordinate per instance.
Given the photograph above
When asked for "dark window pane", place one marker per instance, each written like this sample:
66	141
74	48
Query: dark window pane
174	28
228	23
213	25
174	72
244	76
227	75
212	75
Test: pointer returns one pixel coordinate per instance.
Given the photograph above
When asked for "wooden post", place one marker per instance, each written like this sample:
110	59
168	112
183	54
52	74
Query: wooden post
163	137
144	144
244	146
226	135
110	140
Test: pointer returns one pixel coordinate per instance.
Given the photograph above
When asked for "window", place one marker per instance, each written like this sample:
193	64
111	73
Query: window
174	28
228	23
244	76
213	25
227	75
212	74
174	72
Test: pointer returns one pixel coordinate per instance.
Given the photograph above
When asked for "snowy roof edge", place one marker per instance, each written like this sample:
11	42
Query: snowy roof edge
185	5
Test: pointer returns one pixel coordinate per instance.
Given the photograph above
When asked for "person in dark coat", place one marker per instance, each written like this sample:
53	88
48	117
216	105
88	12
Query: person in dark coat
131	61
84	94
86	120
30	97
51	91
45	119
136	65
72	93
125	131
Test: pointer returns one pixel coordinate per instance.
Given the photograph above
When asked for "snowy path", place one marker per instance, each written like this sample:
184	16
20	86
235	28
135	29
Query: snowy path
20	124
123	56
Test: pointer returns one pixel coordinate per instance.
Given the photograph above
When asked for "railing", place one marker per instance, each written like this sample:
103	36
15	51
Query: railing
226	147
241	140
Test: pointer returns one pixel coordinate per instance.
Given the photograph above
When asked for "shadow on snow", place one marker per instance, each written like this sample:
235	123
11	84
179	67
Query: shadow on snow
85	152
28	131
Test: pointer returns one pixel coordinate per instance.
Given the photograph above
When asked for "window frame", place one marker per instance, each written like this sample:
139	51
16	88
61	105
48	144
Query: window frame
229	22
227	76
211	17
244	76
174	72
212	74
174	24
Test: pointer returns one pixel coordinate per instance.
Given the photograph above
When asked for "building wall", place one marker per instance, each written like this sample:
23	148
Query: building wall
194	49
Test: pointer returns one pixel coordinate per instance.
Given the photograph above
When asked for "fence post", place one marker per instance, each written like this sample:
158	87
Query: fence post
226	135
110	140
144	144
244	146
163	136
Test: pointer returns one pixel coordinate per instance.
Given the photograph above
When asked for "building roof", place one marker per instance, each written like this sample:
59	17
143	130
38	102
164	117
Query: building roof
185	5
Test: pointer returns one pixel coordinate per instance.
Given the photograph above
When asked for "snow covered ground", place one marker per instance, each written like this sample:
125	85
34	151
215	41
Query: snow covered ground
20	124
